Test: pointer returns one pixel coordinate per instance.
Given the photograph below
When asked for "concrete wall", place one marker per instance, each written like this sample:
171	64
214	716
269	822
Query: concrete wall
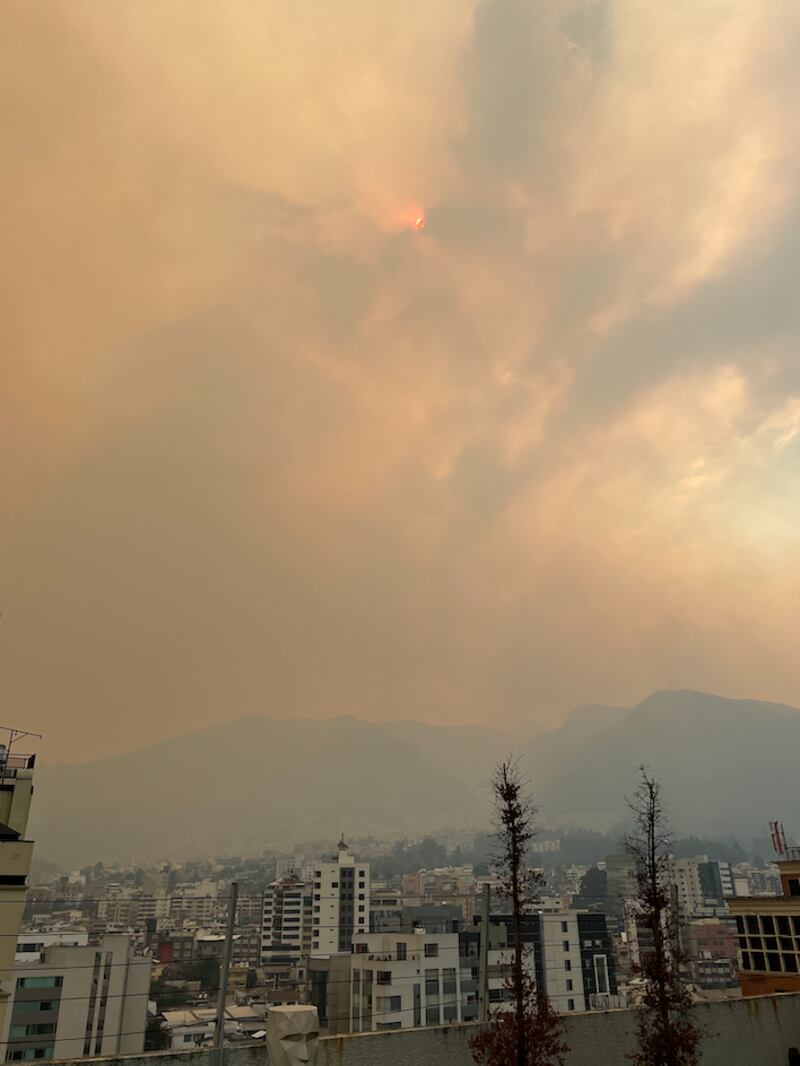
752	1032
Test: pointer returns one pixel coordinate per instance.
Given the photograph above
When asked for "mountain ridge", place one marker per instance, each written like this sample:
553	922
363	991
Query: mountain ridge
261	782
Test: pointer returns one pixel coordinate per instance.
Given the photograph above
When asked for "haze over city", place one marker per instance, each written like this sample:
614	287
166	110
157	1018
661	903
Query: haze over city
400	496
270	446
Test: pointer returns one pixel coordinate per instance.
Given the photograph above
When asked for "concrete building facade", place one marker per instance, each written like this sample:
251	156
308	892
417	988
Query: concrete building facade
768	928
341	902
16	853
78	1001
286	922
403	980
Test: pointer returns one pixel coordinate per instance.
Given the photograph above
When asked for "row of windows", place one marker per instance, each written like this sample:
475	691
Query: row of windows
768	924
25	1005
361	873
770	943
335	884
28	1054
344	895
36	1029
40	982
769	962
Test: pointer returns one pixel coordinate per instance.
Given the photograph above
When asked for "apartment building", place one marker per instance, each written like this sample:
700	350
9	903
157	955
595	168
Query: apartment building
30	945
78	1001
385	909
16	852
568	953
403	980
768	928
688	886
341	902
286	922
710	946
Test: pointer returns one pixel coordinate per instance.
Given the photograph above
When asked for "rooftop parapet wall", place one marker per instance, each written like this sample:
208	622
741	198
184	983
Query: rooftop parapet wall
748	1032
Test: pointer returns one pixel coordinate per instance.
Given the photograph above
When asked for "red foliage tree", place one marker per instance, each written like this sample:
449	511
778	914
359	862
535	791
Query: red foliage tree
530	1034
666	1033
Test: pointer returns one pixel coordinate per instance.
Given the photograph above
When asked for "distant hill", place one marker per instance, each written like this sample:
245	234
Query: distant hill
252	784
727	766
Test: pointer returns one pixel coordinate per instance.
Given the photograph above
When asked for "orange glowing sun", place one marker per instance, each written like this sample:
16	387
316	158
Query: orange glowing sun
419	222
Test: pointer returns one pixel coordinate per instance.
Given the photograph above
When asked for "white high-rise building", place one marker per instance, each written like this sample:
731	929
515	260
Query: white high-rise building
685	875
340	903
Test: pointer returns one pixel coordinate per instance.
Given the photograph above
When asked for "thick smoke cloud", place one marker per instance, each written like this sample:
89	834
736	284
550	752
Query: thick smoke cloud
266	447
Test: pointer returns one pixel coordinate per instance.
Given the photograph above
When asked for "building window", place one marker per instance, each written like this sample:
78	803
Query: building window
383	977
567	965
564	927
431	1015
388	1004
570	1004
431	951
360	949
565	945
39	982
402	951
569	984
334	884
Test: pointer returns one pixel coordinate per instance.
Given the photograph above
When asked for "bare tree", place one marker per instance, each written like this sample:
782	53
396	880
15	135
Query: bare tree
530	1034
666	1034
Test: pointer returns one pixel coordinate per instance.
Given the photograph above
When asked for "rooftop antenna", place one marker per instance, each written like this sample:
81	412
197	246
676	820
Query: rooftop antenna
15	734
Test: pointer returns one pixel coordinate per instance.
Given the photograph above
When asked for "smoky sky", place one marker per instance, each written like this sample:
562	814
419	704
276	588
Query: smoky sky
266	447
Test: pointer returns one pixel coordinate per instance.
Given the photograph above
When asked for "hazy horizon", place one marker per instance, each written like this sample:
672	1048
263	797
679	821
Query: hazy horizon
271	447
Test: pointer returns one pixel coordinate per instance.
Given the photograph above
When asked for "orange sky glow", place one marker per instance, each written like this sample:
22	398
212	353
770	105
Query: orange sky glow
263	451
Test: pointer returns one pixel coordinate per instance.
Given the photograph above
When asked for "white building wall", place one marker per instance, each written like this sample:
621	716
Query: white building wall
561	951
327	917
424	988
101	993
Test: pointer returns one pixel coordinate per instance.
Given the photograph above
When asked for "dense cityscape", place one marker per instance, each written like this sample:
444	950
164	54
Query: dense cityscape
400	533
121	959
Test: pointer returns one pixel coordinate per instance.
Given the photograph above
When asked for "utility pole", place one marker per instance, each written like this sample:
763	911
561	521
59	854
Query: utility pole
223	974
483	965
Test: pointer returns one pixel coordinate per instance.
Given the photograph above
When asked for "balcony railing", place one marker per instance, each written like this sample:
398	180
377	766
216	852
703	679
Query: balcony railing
387	956
11	764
